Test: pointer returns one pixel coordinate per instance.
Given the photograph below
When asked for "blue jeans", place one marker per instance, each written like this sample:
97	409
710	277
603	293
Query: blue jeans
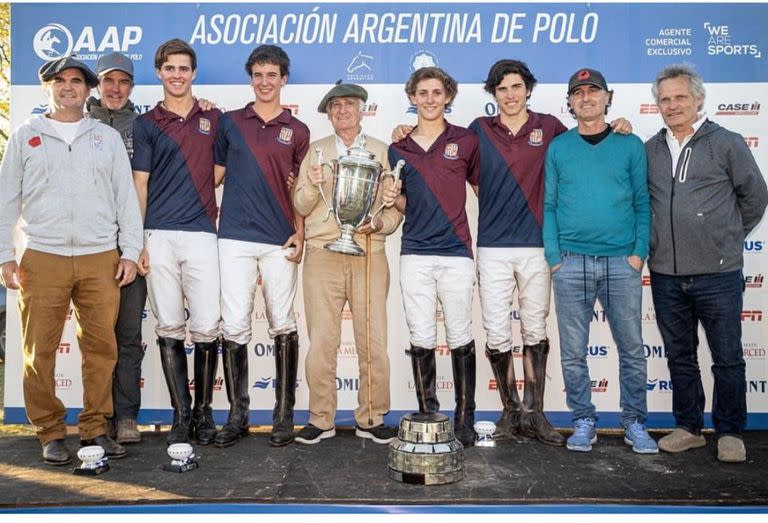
715	300
610	279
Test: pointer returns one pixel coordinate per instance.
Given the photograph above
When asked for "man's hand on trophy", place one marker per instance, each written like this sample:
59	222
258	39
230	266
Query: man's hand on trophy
371	226
400	132
316	175
391	193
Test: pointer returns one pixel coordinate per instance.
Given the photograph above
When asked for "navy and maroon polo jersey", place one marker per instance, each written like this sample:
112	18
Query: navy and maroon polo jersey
259	156
435	184
512	179
178	155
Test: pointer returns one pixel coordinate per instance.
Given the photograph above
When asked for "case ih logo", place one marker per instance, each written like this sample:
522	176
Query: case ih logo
748	109
753	315
370	109
649	109
494	385
599	385
442	349
754	282
753	142
64	348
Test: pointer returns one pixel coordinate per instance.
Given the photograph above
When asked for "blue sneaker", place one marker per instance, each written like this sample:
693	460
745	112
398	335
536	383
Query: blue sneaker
583	436
641	442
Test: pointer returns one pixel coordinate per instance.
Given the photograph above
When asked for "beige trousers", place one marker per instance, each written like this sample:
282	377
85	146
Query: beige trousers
330	280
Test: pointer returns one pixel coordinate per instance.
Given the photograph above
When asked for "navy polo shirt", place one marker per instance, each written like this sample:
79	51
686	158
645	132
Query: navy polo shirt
178	155
435	184
259	157
512	179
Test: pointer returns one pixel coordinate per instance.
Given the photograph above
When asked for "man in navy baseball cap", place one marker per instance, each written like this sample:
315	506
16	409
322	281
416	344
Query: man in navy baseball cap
50	69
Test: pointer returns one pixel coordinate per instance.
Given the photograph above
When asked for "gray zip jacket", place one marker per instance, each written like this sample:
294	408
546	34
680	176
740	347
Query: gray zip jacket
701	216
72	199
120	120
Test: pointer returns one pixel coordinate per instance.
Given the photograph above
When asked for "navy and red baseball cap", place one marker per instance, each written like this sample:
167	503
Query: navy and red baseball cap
587	77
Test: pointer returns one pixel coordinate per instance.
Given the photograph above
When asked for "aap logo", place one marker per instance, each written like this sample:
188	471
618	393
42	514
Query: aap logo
52	41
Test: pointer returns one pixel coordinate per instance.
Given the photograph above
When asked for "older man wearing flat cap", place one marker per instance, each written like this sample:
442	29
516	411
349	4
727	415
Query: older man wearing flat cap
332	279
68	179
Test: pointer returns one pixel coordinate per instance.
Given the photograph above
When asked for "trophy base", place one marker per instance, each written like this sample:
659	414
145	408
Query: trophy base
343	246
91	471
186	467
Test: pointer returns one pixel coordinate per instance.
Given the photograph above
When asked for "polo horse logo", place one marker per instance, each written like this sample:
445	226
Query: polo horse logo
360	61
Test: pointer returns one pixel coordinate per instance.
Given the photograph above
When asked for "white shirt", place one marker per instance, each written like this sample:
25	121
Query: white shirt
676	148
341	149
66	130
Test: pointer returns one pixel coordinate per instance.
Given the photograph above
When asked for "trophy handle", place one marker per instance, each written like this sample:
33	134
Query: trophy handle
395	174
323	164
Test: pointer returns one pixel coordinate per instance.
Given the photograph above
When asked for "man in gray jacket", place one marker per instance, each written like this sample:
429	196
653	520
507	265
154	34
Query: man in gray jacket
707	194
114	108
69	180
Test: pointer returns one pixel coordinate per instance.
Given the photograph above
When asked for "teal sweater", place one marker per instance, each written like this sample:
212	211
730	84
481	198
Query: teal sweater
596	197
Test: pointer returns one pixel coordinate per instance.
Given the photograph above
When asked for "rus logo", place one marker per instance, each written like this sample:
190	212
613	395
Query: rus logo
660	385
597	351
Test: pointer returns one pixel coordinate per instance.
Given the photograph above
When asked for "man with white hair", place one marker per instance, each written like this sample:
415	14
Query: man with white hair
707	194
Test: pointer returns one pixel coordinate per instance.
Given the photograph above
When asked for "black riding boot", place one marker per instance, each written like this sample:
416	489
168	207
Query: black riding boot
174	361
464	363
206	361
533	423
424	378
286	363
503	366
235	359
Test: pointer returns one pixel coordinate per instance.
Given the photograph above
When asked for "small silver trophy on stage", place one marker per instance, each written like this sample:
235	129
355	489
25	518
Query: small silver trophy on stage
94	461
485	430
356	178
182	458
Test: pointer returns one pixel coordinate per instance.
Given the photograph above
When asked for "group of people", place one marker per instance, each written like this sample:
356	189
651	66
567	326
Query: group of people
118	207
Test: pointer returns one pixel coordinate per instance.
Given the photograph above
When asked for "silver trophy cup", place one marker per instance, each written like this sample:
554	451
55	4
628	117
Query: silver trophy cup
356	178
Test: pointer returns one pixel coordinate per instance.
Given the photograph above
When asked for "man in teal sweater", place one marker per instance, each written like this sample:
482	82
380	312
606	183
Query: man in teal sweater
596	229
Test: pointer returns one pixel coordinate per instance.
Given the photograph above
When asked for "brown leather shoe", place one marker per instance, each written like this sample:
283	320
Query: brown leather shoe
56	453
127	431
680	440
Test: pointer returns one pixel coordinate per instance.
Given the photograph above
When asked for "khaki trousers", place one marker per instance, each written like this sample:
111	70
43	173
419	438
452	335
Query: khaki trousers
48	283
330	280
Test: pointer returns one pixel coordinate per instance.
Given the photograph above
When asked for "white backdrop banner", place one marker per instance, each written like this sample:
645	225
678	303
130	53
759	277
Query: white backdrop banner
378	45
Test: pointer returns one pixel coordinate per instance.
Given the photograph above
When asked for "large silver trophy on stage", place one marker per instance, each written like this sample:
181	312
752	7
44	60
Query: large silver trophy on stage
356	178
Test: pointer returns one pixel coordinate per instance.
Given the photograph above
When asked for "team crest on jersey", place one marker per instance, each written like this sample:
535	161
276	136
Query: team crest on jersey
451	151
205	126
536	138
285	136
98	142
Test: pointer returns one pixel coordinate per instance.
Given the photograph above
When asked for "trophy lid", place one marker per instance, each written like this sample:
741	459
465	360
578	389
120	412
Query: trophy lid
359	155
